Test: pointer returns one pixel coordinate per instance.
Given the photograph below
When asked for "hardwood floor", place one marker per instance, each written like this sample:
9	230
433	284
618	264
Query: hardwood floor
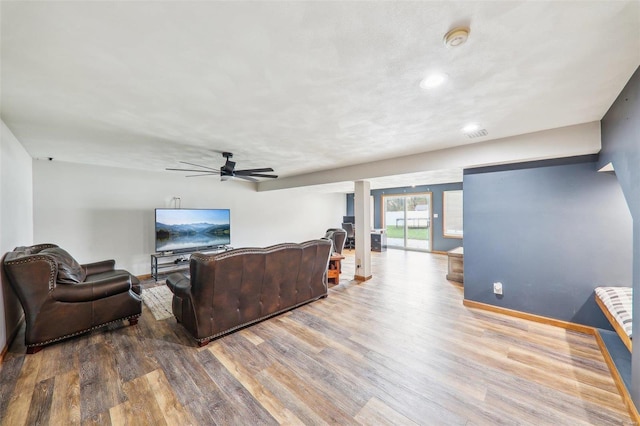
397	349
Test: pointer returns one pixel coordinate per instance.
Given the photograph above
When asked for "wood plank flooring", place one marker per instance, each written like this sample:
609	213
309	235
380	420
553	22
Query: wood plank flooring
397	349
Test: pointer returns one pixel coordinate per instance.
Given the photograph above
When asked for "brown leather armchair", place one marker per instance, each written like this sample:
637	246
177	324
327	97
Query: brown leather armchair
338	236
62	298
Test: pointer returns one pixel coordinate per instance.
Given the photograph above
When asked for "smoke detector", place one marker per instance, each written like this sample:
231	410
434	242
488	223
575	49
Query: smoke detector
456	37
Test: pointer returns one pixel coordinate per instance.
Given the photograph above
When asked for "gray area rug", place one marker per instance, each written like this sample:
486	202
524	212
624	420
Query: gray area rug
158	300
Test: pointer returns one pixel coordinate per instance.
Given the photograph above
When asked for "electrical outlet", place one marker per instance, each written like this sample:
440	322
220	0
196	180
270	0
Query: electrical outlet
497	288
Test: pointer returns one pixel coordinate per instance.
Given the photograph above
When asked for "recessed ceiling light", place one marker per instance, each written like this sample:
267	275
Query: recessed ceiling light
433	81
470	128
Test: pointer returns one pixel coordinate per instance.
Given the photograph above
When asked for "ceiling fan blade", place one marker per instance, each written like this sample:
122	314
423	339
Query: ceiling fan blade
247	178
264	176
213	171
227	171
197	165
203	174
245	171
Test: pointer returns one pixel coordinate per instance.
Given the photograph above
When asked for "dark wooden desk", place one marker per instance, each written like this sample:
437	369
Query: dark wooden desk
335	267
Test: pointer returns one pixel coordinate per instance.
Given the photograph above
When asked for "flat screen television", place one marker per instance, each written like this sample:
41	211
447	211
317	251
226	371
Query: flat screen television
181	230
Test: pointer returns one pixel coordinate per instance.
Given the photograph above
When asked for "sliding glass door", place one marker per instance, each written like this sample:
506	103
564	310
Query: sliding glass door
407	221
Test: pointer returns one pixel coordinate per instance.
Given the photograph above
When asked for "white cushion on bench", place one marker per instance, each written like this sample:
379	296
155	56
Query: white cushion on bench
618	301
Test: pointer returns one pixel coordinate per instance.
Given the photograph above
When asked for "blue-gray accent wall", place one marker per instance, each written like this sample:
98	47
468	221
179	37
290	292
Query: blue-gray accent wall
621	147
440	243
350	204
551	232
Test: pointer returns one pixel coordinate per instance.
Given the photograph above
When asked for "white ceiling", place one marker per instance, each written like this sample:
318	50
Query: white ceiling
302	86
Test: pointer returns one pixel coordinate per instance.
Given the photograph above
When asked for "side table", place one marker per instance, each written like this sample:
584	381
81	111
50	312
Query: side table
335	267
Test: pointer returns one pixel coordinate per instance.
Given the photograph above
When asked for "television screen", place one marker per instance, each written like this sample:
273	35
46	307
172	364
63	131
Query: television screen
192	229
348	219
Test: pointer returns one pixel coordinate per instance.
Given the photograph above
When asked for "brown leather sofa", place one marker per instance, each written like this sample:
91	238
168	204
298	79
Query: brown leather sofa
62	298
231	290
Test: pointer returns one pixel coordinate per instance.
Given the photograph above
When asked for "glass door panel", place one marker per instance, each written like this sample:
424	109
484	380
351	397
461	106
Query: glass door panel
418	222
394	218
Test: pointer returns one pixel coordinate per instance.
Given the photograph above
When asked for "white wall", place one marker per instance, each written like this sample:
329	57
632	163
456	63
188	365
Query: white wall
16	214
99	213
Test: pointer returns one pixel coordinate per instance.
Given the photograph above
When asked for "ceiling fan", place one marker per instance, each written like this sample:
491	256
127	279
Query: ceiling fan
228	170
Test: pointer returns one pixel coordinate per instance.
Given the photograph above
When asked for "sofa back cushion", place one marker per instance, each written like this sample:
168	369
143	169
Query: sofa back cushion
69	270
236	295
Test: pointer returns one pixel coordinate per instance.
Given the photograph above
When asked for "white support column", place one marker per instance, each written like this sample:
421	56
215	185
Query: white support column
362	209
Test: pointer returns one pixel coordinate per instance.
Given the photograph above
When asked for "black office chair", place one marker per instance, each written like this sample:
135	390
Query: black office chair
350	242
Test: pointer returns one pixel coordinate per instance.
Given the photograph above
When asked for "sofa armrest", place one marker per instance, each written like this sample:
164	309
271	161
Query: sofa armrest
99	267
91	290
179	284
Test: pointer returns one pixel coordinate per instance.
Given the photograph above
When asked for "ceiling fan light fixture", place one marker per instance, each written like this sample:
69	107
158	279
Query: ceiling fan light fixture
456	37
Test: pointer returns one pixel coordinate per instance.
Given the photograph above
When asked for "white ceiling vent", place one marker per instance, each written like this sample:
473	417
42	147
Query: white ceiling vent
477	133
